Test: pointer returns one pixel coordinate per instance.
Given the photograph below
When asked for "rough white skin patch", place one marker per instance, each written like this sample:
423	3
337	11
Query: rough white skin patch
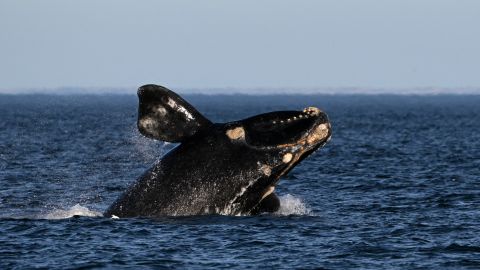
323	128
147	122
312	110
266	170
171	103
161	110
236	133
318	134
287	157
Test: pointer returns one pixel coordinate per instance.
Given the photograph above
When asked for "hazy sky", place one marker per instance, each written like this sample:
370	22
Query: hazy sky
242	44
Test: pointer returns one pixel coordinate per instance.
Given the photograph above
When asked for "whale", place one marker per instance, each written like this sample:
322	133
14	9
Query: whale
216	168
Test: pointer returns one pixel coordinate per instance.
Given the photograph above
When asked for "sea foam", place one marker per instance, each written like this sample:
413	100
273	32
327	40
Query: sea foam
76	210
290	205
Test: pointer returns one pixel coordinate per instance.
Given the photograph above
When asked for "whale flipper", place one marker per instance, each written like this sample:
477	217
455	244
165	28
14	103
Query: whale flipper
269	204
165	116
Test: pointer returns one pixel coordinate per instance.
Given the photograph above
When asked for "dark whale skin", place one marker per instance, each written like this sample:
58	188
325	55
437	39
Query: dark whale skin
200	176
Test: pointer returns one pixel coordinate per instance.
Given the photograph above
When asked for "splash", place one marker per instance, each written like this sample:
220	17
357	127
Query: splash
289	205
147	149
76	210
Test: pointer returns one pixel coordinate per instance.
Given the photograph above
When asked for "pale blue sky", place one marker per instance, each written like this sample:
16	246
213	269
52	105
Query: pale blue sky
241	44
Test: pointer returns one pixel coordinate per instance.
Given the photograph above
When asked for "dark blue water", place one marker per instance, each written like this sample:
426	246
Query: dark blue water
397	187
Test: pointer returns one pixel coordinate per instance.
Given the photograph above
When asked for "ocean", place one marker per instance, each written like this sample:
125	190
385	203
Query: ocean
397	187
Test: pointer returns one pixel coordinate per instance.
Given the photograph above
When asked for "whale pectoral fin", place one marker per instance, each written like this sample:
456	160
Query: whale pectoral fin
164	115
269	204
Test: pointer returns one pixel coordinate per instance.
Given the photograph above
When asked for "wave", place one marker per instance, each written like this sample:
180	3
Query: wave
76	210
290	205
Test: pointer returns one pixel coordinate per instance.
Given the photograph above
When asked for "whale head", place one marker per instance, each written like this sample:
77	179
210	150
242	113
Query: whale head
277	141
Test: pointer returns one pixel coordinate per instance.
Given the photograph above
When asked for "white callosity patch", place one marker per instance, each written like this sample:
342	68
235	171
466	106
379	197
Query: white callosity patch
306	113
287	157
236	133
147	123
322	129
312	111
159	109
318	134
265	169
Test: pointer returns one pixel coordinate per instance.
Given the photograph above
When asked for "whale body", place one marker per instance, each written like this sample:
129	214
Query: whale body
217	168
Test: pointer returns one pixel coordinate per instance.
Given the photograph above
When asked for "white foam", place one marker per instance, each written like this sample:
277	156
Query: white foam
290	205
76	210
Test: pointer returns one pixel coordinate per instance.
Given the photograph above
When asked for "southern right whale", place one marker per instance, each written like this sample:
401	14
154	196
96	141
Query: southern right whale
218	168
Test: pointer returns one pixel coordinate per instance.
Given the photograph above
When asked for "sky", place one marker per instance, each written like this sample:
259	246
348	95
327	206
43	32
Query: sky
248	44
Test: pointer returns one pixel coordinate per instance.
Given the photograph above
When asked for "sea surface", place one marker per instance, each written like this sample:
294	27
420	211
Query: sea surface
397	187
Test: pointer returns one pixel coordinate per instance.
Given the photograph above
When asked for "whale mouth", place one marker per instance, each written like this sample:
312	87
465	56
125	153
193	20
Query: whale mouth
287	128
289	136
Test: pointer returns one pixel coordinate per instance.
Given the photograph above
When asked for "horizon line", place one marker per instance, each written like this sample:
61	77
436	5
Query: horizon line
257	91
